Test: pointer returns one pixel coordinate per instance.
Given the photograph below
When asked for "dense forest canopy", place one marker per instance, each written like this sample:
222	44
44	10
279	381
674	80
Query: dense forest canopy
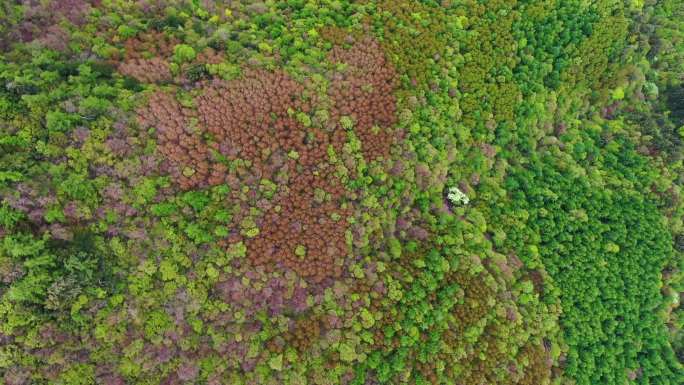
341	192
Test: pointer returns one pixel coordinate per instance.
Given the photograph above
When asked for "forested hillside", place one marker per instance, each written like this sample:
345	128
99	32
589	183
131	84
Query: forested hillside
457	192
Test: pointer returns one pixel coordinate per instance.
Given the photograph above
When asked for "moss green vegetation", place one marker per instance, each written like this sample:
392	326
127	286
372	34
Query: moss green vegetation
342	192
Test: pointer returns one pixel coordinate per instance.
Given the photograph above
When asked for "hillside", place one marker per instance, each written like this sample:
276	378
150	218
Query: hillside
457	192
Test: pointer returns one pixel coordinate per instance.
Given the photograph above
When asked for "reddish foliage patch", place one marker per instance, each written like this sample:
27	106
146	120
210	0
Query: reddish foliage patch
145	57
258	118
304	332
306	224
365	92
149	44
180	142
146	70
249	118
209	56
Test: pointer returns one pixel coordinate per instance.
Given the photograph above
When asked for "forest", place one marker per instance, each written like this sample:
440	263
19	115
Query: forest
321	192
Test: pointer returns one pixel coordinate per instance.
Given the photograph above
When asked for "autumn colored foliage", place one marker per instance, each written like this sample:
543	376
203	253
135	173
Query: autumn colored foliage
263	119
341	192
